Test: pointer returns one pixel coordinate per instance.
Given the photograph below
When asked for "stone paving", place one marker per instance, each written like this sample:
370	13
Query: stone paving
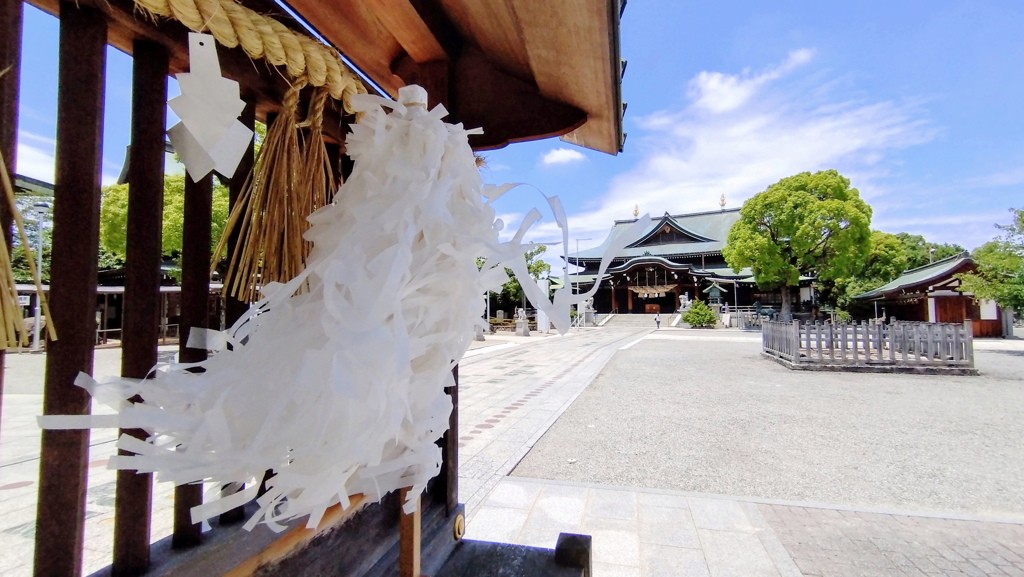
512	390
510	397
636	532
846	543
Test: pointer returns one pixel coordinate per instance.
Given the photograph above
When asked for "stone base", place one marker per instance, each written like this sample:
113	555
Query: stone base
522	328
872	367
479	336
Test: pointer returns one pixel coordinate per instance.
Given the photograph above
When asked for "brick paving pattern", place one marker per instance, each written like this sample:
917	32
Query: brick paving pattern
831	543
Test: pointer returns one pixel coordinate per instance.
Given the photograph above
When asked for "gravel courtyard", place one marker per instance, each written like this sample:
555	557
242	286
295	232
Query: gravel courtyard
704	412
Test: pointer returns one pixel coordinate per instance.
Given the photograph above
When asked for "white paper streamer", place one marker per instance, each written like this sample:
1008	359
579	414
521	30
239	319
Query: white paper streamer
340	390
209	136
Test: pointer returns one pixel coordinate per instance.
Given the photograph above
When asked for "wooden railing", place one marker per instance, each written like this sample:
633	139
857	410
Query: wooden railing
896	343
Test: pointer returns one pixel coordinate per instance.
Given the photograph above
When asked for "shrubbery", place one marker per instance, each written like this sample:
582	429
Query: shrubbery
700	315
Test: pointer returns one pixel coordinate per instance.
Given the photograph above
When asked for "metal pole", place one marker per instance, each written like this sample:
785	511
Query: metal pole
39	267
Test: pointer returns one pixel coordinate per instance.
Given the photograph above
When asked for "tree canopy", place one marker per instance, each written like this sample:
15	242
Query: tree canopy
114	216
806	224
1000	275
921	252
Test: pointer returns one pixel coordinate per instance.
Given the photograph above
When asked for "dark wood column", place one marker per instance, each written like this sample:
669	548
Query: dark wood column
141	322
195	296
10	59
73	266
234	308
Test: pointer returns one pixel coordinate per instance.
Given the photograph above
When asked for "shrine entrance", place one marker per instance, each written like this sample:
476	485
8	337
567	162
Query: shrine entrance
644	286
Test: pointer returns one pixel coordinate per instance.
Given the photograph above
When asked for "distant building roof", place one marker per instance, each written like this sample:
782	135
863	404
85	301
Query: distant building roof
690	234
918	279
31	186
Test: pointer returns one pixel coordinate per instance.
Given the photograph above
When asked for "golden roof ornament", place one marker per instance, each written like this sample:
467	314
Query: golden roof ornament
636	211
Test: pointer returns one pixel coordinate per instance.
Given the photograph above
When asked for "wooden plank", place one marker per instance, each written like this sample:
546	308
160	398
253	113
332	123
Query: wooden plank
853	341
817	328
891	328
10	60
141	316
73	266
969	342
958	344
842	342
195	296
405	24
410	539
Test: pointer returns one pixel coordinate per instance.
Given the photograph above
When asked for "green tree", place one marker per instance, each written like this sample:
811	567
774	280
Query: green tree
1000	275
921	252
807	224
886	260
512	291
114	216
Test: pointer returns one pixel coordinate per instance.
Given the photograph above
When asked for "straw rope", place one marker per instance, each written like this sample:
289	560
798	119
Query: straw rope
262	37
11	327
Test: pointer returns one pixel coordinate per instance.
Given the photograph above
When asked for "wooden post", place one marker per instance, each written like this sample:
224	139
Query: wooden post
140	328
63	461
233	307
410	539
195	295
969	342
796	341
10	59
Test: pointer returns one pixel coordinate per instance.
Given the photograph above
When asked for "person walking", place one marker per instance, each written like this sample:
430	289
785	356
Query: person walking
657	320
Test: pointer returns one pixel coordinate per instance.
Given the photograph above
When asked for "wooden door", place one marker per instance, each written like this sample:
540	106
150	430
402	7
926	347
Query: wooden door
951	309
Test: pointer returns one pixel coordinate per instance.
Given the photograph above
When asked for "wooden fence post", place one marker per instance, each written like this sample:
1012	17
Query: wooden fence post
969	342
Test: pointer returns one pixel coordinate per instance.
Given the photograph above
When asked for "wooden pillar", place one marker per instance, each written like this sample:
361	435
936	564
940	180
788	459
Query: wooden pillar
64	457
140	325
195	294
234	308
629	300
10	59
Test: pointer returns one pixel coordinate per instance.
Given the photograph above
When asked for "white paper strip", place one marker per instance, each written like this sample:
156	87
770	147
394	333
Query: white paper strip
340	390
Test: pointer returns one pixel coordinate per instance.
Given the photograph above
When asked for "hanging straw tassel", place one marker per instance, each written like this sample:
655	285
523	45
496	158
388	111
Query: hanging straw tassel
11	327
291	180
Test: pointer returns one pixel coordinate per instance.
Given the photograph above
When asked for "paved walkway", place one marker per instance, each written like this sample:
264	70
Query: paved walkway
509	397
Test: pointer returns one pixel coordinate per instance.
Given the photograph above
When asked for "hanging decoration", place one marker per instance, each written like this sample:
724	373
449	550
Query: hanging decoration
209	136
340	390
292	179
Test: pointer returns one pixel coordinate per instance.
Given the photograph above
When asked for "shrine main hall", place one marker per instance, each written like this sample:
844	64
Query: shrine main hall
676	257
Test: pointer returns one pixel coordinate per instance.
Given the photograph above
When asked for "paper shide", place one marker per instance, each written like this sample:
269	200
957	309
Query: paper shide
339	390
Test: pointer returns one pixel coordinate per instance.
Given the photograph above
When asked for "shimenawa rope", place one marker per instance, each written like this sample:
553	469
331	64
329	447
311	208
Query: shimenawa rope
263	37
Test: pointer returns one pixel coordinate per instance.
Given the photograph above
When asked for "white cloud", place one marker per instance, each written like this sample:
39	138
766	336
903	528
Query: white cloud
562	156
1009	177
689	158
720	92
36	159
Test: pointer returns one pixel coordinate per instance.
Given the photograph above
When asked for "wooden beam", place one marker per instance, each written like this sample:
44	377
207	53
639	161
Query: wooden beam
195	298
410	538
60	514
401	19
10	60
141	320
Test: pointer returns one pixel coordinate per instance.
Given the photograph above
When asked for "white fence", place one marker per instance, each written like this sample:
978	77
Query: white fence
898	343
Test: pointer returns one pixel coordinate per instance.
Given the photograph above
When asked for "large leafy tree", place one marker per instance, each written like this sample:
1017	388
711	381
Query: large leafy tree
114	216
921	252
807	224
886	260
1000	275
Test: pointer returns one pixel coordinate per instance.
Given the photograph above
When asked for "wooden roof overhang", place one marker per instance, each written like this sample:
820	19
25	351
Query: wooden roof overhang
520	69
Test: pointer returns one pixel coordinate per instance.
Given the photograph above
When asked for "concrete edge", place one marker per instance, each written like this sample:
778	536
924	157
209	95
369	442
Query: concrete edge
884	369
951	516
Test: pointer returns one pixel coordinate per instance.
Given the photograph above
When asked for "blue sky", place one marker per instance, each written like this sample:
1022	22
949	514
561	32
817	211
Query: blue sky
918	103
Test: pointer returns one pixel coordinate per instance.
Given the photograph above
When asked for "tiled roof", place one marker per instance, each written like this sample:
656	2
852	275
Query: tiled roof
922	275
713	225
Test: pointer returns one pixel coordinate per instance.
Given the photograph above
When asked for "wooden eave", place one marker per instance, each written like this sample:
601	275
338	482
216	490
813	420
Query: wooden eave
566	51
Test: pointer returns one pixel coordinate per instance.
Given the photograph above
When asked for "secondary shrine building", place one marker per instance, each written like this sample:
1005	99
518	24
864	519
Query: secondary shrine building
675	258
